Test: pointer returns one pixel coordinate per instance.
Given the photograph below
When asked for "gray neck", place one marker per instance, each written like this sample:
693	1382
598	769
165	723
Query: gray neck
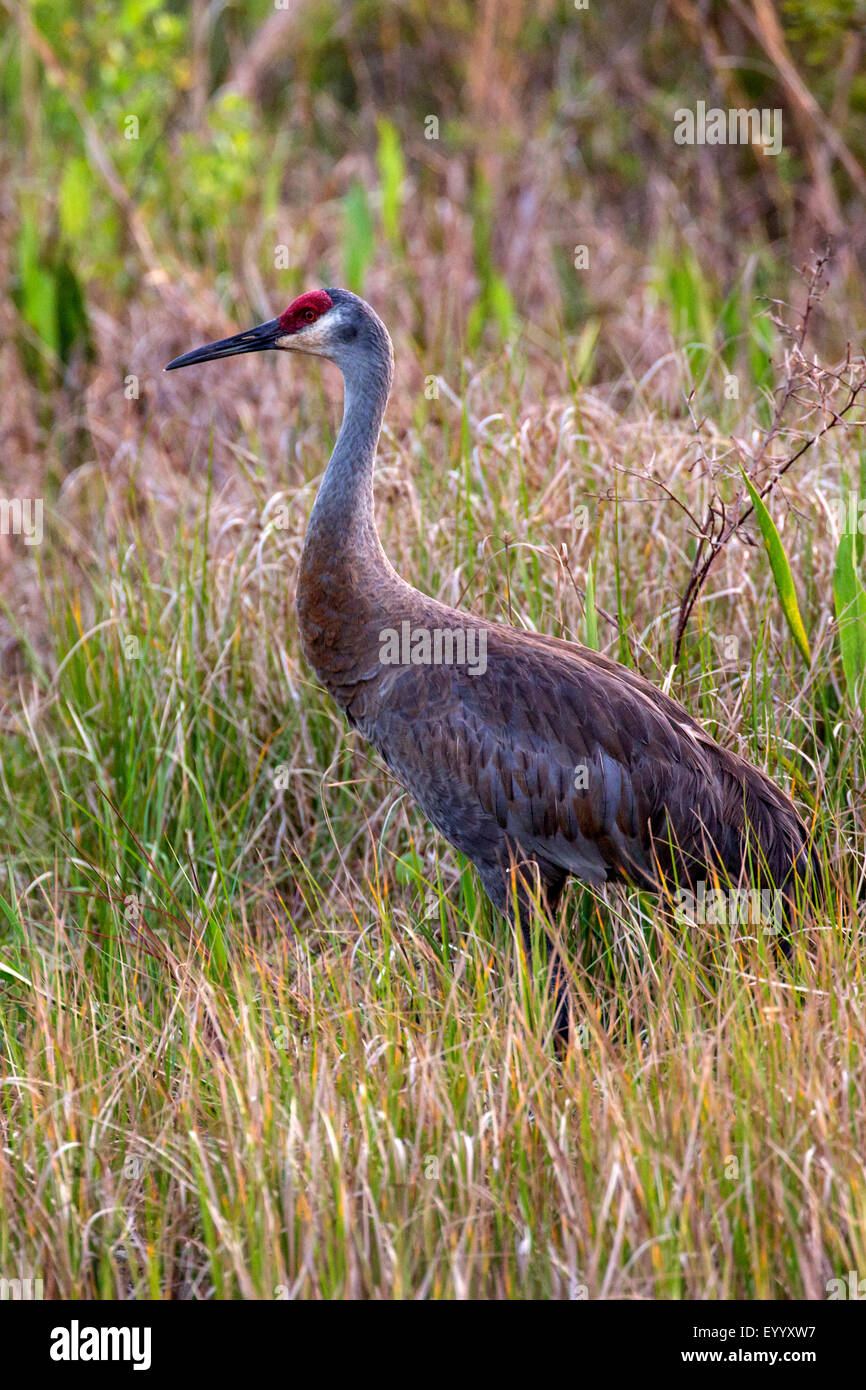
343	512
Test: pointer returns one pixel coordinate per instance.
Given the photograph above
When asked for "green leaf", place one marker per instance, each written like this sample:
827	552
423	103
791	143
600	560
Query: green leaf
849	598
501	304
357	237
74	202
781	570
392	173
37	296
408	868
584	351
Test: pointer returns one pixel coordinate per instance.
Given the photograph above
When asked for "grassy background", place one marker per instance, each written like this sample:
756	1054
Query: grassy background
261	1035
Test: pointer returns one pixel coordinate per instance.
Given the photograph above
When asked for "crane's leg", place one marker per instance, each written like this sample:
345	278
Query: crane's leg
514	897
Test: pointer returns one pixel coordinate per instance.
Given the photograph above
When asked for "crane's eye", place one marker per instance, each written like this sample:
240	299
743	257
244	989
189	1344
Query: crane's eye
309	315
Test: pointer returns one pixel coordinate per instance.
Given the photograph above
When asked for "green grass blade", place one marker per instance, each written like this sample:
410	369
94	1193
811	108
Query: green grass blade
590	610
849	598
781	570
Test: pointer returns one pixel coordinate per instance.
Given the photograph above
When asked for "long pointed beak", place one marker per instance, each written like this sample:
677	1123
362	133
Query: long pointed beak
255	340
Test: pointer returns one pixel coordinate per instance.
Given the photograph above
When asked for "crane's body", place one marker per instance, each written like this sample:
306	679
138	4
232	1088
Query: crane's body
552	761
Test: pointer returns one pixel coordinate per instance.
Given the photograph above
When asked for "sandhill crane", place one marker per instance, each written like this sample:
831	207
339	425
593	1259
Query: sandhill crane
543	759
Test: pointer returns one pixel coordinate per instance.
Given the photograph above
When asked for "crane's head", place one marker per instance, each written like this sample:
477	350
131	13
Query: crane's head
326	323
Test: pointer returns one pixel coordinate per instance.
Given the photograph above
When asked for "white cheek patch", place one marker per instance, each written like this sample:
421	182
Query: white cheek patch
314	338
